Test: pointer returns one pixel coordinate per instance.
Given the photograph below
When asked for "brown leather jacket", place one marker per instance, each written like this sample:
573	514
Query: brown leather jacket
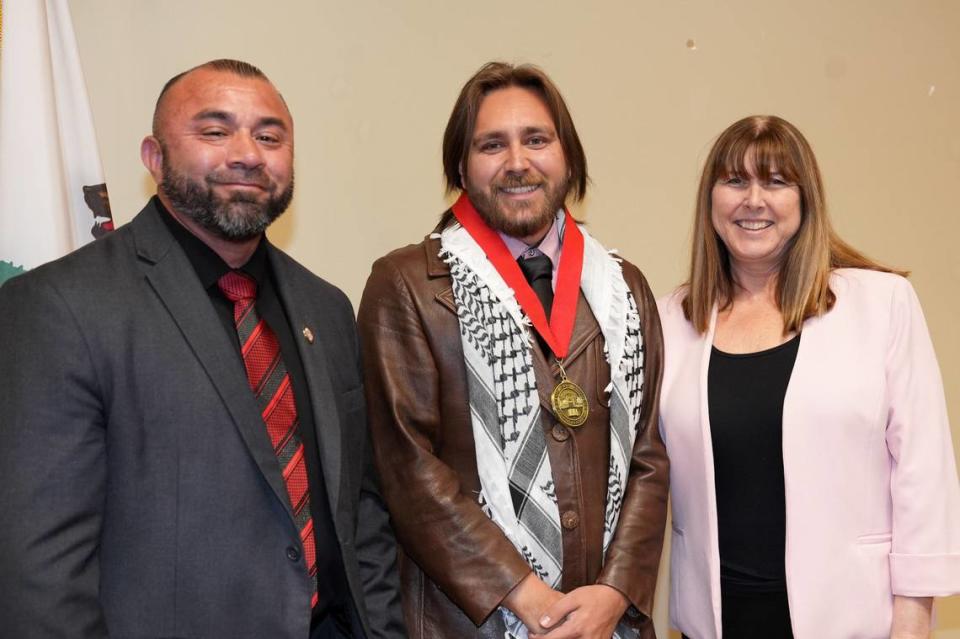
456	565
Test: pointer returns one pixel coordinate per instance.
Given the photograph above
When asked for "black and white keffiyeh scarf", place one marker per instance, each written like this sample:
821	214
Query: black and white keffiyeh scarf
517	489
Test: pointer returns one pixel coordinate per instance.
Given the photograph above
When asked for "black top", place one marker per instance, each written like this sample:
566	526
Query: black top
745	398
331	579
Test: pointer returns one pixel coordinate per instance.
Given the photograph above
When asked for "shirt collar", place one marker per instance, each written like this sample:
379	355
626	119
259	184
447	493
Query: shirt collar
551	245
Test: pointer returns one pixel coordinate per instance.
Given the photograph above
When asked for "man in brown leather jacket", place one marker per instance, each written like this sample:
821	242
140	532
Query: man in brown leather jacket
512	371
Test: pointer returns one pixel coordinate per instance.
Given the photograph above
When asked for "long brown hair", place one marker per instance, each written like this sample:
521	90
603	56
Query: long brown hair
501	75
803	284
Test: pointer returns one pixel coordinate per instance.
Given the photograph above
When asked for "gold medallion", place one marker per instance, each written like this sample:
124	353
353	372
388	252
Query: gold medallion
569	403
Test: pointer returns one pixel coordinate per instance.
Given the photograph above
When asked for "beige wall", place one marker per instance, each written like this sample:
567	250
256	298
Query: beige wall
875	85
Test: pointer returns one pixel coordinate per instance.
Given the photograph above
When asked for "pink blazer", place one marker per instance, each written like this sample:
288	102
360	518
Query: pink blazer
872	497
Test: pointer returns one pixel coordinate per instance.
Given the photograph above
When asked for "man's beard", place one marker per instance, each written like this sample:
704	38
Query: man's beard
239	217
518	219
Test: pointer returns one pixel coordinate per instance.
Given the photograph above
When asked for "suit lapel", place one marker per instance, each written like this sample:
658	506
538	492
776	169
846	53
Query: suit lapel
302	314
171	276
436	267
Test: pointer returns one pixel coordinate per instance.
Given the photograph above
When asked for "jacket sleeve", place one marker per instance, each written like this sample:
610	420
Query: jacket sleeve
439	527
925	553
52	467
376	546
633	557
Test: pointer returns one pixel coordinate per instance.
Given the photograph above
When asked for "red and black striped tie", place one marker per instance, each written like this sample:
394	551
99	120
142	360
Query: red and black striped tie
270	383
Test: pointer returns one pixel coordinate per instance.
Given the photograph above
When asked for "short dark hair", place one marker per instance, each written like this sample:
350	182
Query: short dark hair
226	65
501	75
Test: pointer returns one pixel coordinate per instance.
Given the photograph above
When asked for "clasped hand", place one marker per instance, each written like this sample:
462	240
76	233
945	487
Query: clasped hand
589	612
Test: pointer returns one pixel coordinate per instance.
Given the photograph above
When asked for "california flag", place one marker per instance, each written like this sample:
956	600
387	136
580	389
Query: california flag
52	193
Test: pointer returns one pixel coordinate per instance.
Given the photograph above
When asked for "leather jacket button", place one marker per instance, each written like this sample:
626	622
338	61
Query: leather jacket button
570	520
560	433
293	553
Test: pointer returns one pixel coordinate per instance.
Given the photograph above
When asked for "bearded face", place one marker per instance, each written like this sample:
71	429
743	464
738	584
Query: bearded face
222	153
516	171
519	217
234	214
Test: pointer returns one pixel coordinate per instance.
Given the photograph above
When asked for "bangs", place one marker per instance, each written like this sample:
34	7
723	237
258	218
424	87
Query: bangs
769	150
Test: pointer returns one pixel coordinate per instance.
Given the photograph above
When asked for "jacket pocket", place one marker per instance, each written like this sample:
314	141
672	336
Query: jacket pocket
352	399
875	538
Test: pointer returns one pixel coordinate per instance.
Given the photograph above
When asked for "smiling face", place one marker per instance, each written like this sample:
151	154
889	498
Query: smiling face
755	217
516	173
223	156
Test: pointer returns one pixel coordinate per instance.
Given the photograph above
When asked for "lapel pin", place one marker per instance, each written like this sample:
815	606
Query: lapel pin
308	334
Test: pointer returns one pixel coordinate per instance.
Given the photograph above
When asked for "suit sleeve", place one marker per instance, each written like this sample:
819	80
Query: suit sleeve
925	553
633	559
52	467
441	529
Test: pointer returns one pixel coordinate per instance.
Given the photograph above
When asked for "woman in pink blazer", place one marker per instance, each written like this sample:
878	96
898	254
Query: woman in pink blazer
813	481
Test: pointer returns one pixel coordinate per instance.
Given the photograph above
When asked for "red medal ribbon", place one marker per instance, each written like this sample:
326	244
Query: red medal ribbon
558	331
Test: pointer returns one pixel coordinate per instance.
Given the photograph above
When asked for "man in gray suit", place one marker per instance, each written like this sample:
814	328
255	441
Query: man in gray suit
183	442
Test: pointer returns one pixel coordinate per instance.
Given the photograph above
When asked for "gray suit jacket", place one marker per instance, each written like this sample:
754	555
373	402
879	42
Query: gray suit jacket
139	493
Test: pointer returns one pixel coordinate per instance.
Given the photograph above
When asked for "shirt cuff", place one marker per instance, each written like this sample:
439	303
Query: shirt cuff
925	575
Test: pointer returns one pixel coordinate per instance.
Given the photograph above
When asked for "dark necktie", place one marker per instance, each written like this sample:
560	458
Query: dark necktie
271	385
539	273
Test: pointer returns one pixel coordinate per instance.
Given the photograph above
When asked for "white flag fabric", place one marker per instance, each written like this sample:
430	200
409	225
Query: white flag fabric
52	193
